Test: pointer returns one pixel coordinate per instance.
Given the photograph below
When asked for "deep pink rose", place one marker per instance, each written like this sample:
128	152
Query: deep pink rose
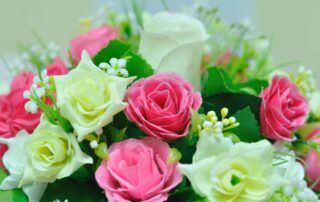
22	81
312	169
92	41
57	67
138	170
283	109
13	116
161	105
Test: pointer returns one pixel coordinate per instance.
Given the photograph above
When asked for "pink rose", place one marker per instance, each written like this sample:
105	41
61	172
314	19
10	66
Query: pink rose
138	170
22	81
283	109
57	67
13	116
161	105
312	169
92	41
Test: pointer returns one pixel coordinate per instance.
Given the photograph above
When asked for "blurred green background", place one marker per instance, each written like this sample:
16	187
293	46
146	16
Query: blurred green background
293	25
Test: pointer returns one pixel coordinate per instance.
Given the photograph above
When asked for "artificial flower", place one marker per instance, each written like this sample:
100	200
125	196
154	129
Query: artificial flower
312	169
138	170
35	160
161	105
13	116
88	97
283	109
289	184
179	40
314	104
57	67
92	41
220	174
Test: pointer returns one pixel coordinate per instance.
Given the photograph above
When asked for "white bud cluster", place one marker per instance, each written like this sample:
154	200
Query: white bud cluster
218	126
116	67
298	191
37	89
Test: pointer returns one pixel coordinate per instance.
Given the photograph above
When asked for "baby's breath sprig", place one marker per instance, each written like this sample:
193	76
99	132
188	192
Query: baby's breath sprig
115	67
304	81
42	95
213	124
100	149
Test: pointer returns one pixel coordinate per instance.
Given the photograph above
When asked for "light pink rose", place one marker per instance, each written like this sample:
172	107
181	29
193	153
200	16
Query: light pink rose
57	67
92	41
161	105
283	109
312	169
138	170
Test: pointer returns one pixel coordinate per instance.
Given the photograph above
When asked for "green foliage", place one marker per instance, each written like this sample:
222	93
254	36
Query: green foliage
115	49
137	66
186	195
234	102
253	87
186	146
248	130
216	81
15	195
74	191
83	174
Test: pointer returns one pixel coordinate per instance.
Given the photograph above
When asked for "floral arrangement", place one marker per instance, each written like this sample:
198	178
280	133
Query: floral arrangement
175	106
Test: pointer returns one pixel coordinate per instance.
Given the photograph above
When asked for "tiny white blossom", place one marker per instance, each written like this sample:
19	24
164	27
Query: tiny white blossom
113	62
122	63
26	94
112	72
36	80
104	65
94	144
124	72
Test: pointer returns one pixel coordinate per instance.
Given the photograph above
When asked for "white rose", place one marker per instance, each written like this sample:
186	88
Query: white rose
173	42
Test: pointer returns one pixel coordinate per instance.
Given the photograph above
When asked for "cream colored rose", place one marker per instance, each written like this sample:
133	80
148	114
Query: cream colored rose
222	171
40	158
88	97
173	42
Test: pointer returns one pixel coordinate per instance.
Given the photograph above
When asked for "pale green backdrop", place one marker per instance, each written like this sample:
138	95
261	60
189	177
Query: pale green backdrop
294	24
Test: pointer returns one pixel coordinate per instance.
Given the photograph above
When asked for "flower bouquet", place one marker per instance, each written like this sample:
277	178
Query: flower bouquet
175	106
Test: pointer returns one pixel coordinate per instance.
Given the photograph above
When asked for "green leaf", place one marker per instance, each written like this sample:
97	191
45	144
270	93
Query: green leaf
186	195
83	174
248	130
73	191
253	87
234	102
115	49
186	146
15	195
137	66
216	81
